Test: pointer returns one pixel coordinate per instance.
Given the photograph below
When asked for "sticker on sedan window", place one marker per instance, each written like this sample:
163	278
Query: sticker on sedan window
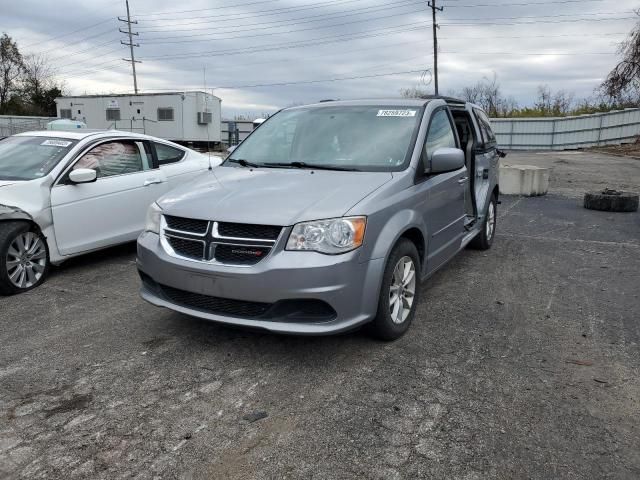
396	113
56	143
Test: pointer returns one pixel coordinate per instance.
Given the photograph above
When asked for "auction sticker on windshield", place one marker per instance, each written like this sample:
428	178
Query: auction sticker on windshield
396	113
56	143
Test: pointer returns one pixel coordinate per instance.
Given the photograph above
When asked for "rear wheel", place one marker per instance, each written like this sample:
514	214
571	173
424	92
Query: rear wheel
484	239
399	292
24	258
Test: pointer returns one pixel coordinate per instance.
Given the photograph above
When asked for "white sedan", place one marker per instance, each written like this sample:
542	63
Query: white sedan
63	194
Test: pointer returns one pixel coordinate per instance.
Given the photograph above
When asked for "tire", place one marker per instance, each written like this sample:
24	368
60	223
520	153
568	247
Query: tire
611	201
24	258
484	239
383	326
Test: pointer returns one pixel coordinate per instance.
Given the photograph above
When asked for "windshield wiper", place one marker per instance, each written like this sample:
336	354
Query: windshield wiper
311	166
243	162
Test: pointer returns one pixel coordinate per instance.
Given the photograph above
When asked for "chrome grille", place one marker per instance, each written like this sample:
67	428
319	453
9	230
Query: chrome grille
218	242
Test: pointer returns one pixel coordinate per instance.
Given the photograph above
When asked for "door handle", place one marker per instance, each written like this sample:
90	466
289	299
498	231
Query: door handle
463	180
152	181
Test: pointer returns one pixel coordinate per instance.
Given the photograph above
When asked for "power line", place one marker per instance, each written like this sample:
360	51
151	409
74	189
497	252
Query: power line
305	82
202	9
67	34
133	61
307	19
527	4
544	16
314	41
266	34
254	14
469	24
75	42
404	28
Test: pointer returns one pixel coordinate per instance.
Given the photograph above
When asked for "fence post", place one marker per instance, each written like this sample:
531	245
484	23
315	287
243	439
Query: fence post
553	132
511	134
600	129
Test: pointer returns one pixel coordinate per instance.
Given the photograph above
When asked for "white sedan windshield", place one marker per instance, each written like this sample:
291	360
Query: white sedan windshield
365	138
28	158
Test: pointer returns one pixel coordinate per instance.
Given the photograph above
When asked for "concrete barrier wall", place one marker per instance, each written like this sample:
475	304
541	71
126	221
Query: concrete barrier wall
564	133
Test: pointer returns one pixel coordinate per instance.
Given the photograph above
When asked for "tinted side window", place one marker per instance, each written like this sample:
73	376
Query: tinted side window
167	154
112	158
488	137
440	135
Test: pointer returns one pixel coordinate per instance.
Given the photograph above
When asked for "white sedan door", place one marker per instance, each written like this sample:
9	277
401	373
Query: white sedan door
112	209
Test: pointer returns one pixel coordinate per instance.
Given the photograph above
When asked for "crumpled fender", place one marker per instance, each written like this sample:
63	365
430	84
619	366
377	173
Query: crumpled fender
8	212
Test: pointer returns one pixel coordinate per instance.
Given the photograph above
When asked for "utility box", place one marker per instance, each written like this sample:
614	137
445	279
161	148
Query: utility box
178	116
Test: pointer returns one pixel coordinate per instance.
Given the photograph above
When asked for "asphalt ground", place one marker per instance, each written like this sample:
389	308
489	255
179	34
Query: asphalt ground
522	362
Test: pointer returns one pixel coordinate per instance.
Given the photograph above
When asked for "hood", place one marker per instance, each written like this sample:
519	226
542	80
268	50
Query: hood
30	197
271	196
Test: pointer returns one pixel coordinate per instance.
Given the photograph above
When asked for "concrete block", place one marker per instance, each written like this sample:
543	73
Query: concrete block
526	180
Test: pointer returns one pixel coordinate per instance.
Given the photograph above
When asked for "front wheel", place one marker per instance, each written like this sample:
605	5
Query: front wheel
399	292
24	258
484	239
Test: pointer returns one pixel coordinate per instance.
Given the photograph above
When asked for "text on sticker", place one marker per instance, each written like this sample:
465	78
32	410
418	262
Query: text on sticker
55	143
396	113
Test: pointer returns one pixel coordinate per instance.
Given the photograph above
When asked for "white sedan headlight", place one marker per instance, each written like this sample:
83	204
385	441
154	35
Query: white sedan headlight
331	236
152	224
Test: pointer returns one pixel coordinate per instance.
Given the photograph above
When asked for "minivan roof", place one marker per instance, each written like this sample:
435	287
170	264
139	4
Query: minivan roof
400	102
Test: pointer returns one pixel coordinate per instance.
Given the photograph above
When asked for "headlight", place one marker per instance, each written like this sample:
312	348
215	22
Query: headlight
335	235
152	224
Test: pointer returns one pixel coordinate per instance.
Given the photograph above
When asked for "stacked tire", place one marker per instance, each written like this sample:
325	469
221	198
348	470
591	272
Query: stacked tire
611	201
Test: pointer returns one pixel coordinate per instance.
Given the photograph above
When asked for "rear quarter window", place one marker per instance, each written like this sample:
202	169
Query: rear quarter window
168	154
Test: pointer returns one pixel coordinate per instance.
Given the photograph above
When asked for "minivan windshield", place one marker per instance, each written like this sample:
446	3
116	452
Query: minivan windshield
28	158
363	138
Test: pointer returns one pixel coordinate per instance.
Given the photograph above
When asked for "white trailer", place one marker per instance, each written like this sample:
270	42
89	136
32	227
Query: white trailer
178	116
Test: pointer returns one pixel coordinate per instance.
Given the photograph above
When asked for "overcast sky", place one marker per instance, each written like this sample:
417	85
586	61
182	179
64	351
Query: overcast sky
567	44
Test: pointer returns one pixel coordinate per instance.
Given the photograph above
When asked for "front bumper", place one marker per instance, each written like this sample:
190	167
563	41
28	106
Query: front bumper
350	287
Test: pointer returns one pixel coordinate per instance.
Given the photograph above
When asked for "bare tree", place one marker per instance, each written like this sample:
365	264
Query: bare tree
543	103
413	92
562	103
11	67
38	75
624	80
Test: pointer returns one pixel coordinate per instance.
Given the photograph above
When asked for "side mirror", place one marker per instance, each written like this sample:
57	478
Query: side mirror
447	160
83	175
231	149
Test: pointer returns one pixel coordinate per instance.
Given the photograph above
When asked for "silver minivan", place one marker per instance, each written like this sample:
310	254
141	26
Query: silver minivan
326	217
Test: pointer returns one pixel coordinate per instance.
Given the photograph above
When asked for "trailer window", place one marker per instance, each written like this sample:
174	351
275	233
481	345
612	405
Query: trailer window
165	114
113	114
65	113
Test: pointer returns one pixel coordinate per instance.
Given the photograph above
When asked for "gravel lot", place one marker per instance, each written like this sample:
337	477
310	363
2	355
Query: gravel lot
523	362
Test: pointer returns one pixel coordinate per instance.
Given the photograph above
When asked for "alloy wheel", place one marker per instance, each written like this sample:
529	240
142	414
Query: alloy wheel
402	290
26	260
491	221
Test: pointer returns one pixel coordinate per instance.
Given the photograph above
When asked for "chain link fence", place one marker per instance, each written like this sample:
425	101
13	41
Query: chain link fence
10	125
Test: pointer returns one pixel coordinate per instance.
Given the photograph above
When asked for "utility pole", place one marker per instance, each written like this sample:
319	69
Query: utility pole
130	44
432	4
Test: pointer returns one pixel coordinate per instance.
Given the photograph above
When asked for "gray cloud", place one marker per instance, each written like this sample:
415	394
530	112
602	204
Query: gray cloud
234	45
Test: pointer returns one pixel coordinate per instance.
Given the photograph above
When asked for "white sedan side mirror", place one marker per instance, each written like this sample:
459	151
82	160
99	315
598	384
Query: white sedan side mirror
231	149
83	175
